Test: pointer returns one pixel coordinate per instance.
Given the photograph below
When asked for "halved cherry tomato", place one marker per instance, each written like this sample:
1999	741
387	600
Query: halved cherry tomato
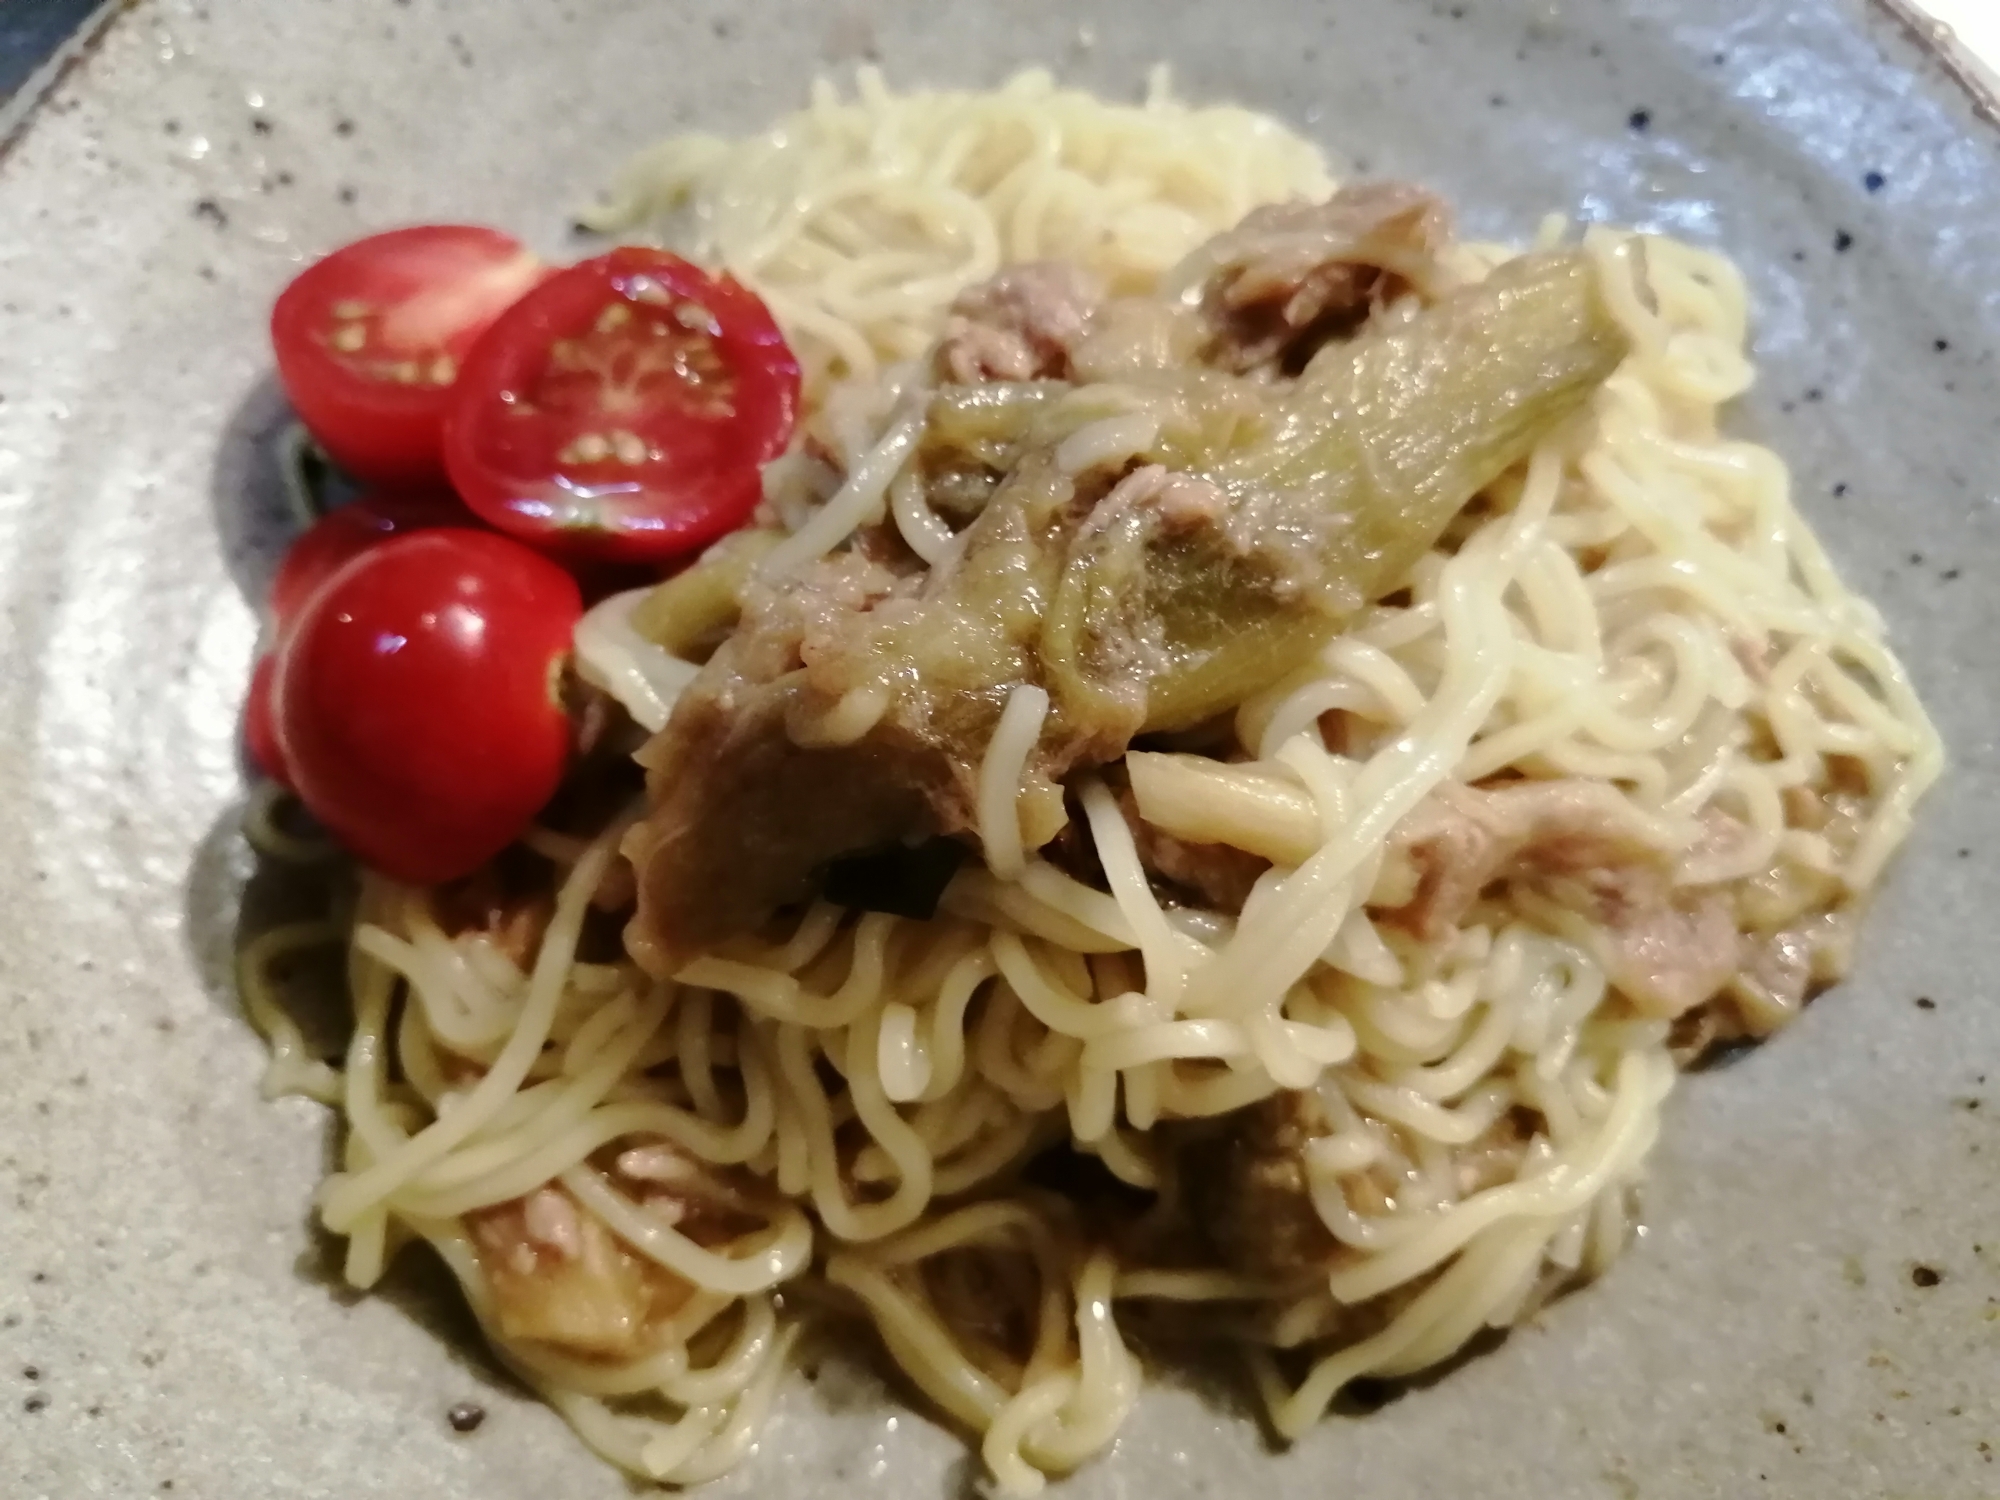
418	699
622	409
369	340
344	533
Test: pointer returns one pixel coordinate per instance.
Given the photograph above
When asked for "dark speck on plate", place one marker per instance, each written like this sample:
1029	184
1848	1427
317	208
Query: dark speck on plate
1874	182
31	1372
39	1401
1799	256
1925	1276
347	195
1840	489
209	209
1924	1002
465	1417
1941	345
1640	119
261	124
343	127
1814	393
1949	575
1842	241
1916	559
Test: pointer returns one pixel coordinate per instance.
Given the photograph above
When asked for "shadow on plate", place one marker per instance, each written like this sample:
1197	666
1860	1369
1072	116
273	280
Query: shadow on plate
233	894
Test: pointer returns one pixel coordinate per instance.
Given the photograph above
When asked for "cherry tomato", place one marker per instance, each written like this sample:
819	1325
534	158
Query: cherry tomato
369	340
344	533
260	734
418	699
622	409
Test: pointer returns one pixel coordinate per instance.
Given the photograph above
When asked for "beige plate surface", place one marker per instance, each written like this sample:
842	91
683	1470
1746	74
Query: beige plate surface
156	1268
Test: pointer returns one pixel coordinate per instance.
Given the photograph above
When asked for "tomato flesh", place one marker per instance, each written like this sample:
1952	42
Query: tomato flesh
417	699
369	341
623	409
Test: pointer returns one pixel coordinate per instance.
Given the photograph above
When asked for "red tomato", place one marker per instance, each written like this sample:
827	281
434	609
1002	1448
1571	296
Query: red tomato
343	534
622	408
418	699
370	339
260	734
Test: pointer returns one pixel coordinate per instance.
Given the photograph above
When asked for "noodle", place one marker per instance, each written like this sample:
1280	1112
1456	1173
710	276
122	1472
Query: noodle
1639	606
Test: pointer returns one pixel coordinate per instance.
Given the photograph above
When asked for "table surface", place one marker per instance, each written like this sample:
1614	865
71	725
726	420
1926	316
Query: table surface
1977	23
30	33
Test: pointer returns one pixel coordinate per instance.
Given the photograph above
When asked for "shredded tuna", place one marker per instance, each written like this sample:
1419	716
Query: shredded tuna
559	1277
481	904
1182	502
1669	956
1252	1188
1292	275
551	1223
1020	325
1463	839
1669	946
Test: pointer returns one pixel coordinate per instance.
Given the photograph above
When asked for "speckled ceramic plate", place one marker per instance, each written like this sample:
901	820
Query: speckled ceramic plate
1813	1312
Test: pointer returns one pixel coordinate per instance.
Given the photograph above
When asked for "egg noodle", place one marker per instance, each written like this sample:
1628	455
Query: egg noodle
1640	605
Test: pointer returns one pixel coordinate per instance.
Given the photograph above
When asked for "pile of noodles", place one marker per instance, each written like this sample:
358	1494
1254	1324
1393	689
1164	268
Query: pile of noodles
1640	605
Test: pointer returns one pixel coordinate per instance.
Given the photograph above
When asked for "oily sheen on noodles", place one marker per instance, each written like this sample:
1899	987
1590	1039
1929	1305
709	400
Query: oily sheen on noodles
1633	640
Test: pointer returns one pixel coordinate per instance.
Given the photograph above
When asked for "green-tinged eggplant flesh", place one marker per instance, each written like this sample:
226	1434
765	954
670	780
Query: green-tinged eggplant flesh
1153	597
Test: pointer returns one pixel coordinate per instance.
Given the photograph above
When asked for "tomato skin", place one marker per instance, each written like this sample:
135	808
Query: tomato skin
344	533
602	353
315	555
260	730
435	288
417	700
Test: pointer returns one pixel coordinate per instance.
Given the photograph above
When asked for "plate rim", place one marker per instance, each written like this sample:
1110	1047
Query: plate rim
1974	77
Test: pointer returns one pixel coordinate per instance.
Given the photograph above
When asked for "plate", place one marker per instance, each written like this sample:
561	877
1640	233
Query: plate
1813	1310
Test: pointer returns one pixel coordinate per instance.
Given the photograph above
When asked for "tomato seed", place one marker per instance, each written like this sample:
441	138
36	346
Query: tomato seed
585	448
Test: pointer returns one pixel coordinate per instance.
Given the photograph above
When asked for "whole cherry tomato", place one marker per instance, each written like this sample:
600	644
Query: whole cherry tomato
336	538
260	734
344	533
418	699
